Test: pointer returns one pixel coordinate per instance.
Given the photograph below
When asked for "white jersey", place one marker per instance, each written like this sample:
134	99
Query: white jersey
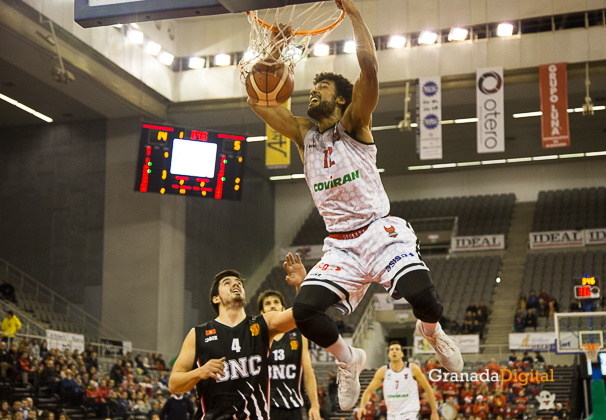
342	174
400	392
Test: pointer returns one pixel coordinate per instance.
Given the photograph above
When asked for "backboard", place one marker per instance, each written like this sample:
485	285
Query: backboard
93	13
576	328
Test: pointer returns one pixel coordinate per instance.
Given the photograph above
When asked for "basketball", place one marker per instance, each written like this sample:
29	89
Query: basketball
270	85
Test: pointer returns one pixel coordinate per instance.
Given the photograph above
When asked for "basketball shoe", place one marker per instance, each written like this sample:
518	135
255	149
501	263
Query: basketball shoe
447	350
348	378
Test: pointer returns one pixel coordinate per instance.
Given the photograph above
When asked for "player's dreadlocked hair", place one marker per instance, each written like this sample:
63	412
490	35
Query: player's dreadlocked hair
343	85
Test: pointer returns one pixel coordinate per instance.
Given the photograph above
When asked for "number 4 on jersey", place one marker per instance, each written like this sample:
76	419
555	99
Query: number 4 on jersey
235	345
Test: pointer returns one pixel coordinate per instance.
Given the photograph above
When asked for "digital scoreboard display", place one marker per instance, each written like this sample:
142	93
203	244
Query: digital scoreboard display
588	287
185	161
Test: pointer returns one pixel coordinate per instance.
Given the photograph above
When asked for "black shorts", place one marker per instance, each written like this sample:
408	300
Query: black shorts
276	413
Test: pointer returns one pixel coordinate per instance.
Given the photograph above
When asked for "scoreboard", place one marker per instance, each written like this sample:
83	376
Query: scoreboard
191	162
588	288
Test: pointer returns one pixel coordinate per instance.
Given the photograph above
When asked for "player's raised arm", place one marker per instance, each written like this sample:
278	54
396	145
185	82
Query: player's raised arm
366	87
184	376
418	374
376	382
295	270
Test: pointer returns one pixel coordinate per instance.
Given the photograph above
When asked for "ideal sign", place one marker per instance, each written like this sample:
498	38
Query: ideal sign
478	243
567	238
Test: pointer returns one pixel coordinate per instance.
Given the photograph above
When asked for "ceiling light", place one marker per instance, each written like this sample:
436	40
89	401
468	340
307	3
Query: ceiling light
516	160
475	163
528	114
428	37
152	48
446	122
321	50
384	127
166	58
298	176
280	177
505	29
118	25
458	34
196	63
572	155
465	120
222	60
295	52
548	157
134	36
589	154
26	108
134	25
249	55
396	41
444	165
494	162
256	138
381	170
599	108
418	168
414	125
349	47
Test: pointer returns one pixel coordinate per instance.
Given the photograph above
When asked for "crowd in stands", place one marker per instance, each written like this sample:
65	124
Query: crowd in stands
507	398
531	308
134	386
476	317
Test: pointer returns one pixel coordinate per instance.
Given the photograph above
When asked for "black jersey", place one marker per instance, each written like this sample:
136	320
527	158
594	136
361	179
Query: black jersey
242	391
285	370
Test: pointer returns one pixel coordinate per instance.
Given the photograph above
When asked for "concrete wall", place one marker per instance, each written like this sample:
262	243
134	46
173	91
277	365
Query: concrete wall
52	181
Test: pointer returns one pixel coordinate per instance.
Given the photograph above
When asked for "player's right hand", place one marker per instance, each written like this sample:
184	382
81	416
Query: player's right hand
212	369
360	413
295	270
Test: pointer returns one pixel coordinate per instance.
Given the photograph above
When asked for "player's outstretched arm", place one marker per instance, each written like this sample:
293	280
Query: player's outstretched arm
418	374
295	270
309	380
279	322
357	118
374	384
183	378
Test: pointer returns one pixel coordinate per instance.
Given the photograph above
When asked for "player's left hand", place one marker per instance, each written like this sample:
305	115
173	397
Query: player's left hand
435	415
347	6
295	270
314	413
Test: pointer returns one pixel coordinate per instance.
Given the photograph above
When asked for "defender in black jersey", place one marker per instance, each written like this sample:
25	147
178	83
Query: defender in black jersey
227	358
289	362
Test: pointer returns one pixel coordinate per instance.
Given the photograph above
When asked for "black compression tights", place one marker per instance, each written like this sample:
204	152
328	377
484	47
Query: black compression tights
308	310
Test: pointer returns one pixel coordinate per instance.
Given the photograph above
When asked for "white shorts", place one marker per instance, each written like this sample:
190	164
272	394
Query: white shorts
383	254
414	415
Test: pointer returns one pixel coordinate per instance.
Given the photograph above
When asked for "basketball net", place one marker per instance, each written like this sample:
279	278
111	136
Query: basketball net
282	48
592	350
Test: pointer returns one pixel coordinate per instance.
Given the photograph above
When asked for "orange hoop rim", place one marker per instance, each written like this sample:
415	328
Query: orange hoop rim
590	350
591	346
299	33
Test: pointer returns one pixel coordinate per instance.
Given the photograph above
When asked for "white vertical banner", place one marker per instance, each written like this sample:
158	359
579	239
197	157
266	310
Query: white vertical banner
429	129
490	108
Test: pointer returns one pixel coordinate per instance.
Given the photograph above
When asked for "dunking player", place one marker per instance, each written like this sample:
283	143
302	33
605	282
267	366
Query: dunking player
364	244
400	388
288	359
227	358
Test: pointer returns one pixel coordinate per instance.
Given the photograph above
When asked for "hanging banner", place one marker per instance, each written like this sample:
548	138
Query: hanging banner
277	147
429	112
557	239
478	242
595	236
64	341
533	341
490	108
554	105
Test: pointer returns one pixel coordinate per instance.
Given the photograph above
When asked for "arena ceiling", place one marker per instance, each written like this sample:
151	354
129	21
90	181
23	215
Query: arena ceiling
25	75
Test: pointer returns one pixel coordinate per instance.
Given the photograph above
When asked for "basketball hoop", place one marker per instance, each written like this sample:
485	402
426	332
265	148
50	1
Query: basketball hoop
592	350
288	49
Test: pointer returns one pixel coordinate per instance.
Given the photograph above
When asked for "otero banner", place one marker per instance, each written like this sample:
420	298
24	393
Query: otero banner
554	105
478	243
468	343
429	128
532	341
62	341
557	239
490	107
308	252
